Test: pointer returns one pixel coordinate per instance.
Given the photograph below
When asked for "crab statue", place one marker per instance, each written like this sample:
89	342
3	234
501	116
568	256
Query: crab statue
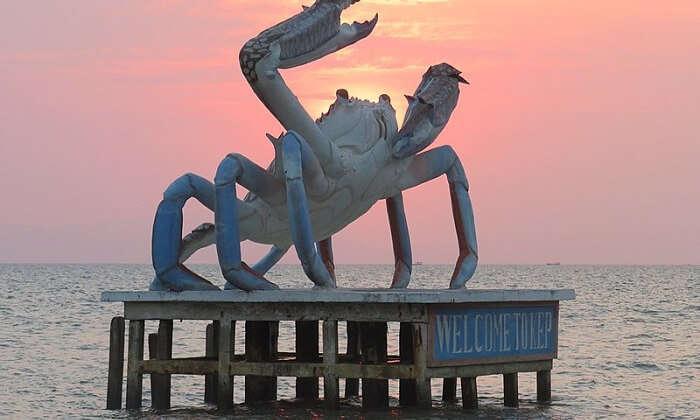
325	174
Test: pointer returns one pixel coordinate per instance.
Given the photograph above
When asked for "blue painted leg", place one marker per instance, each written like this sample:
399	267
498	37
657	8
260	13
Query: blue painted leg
269	260
298	211
325	248
167	235
430	165
464	225
401	241
237	169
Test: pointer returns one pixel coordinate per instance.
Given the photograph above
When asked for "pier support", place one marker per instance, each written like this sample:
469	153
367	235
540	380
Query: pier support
352	385
160	347
544	386
420	360
152	355
510	389
134	381
211	351
307	351
469	393
330	358
449	390
115	375
375	392
224	386
407	387
260	346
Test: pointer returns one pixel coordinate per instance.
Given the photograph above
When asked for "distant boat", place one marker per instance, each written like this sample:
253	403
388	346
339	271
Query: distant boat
553	263
418	263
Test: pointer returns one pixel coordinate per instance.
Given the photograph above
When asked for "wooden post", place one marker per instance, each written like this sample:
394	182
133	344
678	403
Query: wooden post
375	392
224	386
510	389
330	358
407	387
260	346
420	356
211	352
134	377
307	351
115	375
544	385
156	388
469	394
352	385
449	389
162	350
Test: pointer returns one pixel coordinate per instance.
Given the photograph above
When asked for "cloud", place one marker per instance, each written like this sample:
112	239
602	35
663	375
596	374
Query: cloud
403	2
427	30
366	69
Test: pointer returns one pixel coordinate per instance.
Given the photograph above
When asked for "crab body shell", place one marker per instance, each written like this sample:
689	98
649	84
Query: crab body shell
362	131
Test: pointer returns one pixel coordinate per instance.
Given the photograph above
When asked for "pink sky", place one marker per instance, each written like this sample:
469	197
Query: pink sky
580	132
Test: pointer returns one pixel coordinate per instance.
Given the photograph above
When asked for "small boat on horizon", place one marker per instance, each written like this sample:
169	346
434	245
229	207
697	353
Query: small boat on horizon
553	263
418	263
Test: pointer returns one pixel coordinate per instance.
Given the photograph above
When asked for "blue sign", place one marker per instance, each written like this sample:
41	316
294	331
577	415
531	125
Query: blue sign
464	334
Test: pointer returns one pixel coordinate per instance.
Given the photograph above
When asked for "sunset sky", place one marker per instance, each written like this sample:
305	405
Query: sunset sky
579	133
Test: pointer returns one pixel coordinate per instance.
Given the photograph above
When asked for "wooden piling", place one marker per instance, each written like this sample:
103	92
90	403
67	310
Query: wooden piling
352	385
544	386
156	388
134	381
307	351
449	390
407	387
330	358
420	357
115	375
162	350
375	392
469	393
260	346
224	386
211	352
510	389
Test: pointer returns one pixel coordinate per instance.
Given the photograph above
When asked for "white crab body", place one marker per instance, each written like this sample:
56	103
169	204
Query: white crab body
362	131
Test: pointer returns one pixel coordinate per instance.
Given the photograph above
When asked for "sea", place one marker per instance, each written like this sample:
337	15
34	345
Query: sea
629	345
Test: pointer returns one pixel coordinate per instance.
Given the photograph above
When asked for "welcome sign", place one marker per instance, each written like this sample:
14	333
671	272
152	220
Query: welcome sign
484	333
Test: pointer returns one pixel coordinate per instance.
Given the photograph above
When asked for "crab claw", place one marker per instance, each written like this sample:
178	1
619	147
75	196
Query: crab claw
303	51
429	109
313	33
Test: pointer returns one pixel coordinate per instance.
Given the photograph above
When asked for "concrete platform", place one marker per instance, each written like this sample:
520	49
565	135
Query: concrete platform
426	296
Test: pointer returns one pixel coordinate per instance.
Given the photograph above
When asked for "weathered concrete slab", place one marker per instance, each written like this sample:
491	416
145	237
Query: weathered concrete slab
346	296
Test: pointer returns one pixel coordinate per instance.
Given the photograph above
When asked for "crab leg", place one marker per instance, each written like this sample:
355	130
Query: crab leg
430	165
238	169
205	235
295	162
400	240
273	256
307	36
325	248
167	233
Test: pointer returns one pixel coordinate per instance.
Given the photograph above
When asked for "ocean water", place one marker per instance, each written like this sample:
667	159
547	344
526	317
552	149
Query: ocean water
629	345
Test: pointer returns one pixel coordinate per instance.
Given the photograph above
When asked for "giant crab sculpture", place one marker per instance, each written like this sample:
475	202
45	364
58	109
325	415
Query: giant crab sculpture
325	174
